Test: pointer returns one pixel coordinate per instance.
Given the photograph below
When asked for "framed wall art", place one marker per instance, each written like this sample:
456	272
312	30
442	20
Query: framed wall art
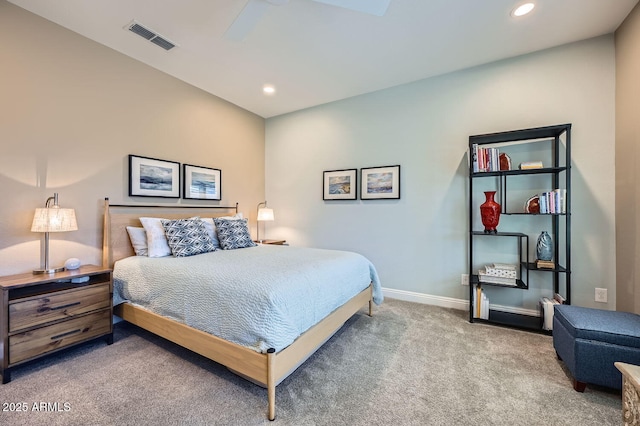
379	183
202	183
150	177
340	184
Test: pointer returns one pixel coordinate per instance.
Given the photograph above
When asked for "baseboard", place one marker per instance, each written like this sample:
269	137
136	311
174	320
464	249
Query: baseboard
427	299
449	302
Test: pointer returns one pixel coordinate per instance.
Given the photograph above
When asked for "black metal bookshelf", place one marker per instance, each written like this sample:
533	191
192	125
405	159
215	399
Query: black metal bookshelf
558	171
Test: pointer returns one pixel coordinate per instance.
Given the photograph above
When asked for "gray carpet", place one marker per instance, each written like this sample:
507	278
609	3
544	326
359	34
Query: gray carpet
410	364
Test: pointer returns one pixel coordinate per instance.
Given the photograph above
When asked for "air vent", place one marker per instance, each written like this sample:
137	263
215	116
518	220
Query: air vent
165	44
150	35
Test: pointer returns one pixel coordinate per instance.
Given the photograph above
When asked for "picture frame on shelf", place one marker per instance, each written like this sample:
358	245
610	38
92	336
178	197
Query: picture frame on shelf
340	184
379	183
201	183
152	177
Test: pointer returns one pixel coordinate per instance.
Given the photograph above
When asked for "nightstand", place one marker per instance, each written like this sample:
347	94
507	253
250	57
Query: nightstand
41	314
274	242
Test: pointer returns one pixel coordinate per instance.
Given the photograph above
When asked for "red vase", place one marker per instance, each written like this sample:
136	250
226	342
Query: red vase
490	213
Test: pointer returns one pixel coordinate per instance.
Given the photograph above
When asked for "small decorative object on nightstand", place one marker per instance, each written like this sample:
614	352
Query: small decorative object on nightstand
72	263
44	313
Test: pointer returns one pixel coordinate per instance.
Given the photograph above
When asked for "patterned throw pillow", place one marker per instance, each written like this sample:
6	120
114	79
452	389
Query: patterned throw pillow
211	227
233	234
187	237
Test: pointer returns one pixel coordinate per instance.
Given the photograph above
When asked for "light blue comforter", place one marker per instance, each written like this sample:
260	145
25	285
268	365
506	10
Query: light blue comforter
260	297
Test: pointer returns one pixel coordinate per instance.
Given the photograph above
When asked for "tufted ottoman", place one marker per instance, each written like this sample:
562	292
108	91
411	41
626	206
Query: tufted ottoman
590	340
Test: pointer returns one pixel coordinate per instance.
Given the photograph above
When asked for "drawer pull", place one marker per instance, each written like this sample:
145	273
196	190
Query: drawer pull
68	305
68	333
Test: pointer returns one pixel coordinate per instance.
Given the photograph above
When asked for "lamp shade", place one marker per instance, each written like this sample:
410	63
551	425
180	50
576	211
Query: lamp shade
54	219
265	214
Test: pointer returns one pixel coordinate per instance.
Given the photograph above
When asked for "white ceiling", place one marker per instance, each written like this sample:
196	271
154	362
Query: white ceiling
316	53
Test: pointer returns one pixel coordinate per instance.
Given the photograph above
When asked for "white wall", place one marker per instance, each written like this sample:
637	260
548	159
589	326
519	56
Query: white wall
419	243
72	110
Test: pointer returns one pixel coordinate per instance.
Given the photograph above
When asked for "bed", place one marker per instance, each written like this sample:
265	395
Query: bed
265	325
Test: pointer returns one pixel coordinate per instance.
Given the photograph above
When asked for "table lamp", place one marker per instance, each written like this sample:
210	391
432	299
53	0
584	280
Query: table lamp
52	218
264	214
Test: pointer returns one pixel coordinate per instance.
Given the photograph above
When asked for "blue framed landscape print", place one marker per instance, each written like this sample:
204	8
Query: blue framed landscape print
150	177
340	184
202	183
380	183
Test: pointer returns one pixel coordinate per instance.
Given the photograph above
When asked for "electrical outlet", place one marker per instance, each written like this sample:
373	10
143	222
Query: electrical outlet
601	295
464	279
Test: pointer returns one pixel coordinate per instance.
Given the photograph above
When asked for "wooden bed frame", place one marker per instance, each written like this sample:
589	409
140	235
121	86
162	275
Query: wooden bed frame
266	370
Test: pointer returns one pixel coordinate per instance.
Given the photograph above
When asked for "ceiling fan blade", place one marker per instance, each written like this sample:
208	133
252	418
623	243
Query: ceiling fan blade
247	19
372	7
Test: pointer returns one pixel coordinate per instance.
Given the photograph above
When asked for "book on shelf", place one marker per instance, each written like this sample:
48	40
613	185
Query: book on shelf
485	159
547	308
509	266
480	304
553	202
528	165
545	264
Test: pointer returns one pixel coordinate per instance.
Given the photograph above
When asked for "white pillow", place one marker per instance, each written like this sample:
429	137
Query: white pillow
157	244
211	227
138	238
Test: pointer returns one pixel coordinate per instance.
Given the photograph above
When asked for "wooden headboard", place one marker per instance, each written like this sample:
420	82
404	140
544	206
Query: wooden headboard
115	239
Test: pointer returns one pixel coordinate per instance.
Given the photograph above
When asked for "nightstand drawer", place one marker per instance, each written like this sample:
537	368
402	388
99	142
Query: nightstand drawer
42	340
64	304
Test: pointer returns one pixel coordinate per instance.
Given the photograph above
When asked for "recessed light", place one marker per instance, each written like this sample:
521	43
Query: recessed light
523	9
269	89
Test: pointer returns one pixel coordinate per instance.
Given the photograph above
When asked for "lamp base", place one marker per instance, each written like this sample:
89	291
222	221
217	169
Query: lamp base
48	271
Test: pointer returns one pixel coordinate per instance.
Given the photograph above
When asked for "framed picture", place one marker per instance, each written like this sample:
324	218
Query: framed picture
202	183
150	177
380	183
340	184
